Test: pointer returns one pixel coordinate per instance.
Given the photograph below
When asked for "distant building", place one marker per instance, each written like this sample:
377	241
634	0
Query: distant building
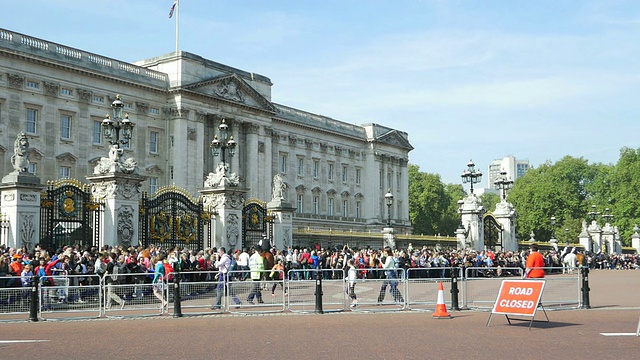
515	169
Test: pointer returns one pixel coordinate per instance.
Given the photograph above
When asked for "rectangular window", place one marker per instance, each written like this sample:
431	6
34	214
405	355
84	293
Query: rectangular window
283	163
171	173
316	168
344	173
98	99
66	91
65	127
358	207
97	132
358	176
127	145
299	201
128	106
330	172
345	208
64	172
153	185
300	166
153	142
316	205
171	141
330	207
154	111
32	84
32	121
32	168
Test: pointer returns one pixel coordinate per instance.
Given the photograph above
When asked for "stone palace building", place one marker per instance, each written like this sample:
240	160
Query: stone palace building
335	174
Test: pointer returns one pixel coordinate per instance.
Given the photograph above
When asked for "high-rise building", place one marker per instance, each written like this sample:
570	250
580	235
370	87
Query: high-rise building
513	167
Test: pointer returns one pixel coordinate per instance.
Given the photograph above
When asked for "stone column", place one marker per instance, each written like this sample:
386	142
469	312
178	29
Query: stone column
20	193
250	167
282	223
635	238
471	213
585	238
506	215
121	196
227	202
595	232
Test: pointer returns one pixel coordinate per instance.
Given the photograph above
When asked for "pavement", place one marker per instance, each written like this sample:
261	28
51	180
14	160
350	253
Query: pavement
606	331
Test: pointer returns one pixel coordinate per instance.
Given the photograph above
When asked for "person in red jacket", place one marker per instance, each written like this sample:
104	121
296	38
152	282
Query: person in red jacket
535	264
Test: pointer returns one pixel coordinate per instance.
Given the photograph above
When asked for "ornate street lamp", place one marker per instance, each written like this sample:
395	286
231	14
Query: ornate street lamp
388	198
593	214
471	175
607	217
119	129
553	227
223	144
503	184
566	232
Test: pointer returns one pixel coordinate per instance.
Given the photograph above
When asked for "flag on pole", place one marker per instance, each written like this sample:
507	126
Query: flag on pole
173	7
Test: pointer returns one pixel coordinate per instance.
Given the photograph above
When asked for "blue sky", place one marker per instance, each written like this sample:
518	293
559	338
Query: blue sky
478	80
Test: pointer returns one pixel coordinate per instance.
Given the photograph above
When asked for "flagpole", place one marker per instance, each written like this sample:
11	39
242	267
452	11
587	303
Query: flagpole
177	25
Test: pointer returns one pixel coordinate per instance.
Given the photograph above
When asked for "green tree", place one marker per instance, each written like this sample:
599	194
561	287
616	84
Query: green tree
489	200
428	201
558	190
621	186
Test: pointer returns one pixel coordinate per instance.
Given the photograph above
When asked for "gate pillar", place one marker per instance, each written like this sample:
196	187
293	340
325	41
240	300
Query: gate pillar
121	196
471	212
226	203
282	213
21	206
505	214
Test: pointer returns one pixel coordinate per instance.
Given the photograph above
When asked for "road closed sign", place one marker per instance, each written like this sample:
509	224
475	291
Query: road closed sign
518	297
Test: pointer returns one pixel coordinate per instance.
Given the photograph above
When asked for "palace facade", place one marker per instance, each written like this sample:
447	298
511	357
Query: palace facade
336	174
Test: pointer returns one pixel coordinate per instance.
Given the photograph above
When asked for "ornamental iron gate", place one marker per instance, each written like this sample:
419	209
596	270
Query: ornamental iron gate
255	223
492	232
69	215
171	217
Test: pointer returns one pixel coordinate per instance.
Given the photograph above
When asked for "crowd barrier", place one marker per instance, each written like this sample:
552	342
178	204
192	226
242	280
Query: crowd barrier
65	296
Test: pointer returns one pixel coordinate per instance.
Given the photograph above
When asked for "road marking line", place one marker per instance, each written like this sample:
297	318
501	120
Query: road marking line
618	334
20	341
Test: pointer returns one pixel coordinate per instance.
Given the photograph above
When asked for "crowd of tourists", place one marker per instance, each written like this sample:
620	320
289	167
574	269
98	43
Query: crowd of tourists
18	266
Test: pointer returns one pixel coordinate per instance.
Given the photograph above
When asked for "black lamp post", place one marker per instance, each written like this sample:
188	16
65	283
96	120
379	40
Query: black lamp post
220	146
593	214
388	198
471	175
112	128
607	216
503	184
566	232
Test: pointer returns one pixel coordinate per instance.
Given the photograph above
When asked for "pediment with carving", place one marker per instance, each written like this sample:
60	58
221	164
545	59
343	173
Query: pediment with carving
393	138
66	158
232	88
35	154
153	170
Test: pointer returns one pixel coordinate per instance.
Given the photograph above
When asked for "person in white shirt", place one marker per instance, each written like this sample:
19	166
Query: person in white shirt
352	275
243	264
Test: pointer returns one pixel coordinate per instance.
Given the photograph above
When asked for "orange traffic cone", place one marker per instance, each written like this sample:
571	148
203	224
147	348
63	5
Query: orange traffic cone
441	308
